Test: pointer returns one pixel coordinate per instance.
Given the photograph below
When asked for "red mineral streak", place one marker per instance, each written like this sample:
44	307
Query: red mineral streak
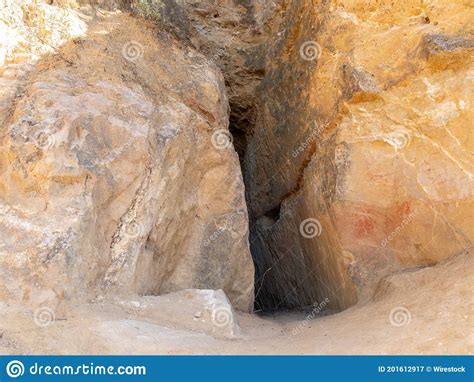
396	215
364	223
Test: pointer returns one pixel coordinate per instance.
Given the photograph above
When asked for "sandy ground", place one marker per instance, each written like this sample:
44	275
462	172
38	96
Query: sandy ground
427	311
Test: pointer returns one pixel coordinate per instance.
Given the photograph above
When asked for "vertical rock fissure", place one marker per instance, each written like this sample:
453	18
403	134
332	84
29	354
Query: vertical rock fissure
256	46
292	271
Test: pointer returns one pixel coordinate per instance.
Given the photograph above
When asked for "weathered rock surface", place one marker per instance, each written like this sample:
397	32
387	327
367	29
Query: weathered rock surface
357	154
205	311
353	125
231	34
116	172
364	127
352	122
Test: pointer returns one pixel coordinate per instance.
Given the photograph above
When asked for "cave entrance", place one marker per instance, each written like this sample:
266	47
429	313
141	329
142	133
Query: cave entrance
272	292
292	271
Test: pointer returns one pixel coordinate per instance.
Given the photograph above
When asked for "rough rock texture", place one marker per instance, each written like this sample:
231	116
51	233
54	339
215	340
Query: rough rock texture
357	149
116	172
364	124
231	34
32	28
353	124
205	311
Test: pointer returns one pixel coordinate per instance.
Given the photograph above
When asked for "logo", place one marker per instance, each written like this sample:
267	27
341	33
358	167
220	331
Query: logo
44	317
400	316
221	139
399	139
310	228
134	229
132	51
310	50
43	139
222	316
15	369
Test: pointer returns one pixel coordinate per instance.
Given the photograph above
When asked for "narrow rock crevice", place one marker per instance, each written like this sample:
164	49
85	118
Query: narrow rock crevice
240	39
295	80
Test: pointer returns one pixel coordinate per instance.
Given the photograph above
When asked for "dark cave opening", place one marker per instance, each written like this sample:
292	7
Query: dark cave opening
237	128
292	272
266	302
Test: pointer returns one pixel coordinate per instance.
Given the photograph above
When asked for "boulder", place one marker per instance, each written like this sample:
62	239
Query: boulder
117	172
204	311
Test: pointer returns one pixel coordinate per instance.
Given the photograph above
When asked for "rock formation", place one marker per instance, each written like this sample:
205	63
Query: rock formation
204	311
118	173
351	120
149	149
353	123
363	136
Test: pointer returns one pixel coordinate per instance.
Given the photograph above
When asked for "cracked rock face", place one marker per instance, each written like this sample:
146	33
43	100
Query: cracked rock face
357	151
116	172
366	116
352	121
